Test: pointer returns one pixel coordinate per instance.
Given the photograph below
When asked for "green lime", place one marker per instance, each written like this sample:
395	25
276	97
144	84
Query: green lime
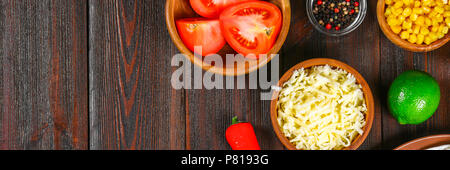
413	97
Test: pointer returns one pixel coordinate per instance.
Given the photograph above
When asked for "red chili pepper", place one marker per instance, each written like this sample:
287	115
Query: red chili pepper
241	136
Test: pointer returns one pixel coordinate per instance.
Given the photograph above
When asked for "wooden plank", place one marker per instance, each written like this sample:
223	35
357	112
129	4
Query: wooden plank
43	75
132	103
395	61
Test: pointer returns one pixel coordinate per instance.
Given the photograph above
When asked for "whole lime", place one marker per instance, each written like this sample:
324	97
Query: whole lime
413	97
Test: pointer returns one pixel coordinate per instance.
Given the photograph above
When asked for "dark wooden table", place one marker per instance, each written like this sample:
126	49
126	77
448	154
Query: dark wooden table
78	74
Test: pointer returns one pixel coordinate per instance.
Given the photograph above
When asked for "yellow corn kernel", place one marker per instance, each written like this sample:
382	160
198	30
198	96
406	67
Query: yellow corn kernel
447	14
392	21
416	4
420	39
418	11
424	31
439	18
396	29
390	17
435	28
412	38
426	10
433	36
407	25
388	2
398	4
387	12
447	7
445	30
447	21
428	22
428	40
406	2
441	27
404	35
407	11
434	3
413	17
432	14
426	2
440	35
420	20
434	22
401	18
416	29
439	9
397	11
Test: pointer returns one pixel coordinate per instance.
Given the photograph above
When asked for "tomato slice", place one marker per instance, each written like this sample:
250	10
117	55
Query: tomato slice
252	27
201	32
213	8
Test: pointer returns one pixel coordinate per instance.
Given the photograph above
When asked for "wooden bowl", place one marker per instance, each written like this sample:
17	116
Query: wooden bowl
426	142
404	43
179	9
369	116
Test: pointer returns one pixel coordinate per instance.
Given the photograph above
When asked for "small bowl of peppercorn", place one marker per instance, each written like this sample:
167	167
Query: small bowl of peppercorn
336	17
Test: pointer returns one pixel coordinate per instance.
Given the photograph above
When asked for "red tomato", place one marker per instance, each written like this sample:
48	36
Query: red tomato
201	32
252	27
213	8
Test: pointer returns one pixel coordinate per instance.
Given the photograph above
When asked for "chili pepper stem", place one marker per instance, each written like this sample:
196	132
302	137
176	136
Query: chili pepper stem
235	121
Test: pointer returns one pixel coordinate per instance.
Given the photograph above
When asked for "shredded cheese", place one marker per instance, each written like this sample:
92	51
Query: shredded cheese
321	108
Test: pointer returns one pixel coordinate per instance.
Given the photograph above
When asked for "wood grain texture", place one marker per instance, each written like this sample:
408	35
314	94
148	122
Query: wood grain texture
132	103
43	74
78	74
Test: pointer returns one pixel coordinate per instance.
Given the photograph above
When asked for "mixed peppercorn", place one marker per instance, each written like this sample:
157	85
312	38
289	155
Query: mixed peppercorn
335	14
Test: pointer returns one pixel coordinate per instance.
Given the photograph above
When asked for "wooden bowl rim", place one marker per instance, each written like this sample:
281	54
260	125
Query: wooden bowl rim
426	142
171	27
368	96
403	43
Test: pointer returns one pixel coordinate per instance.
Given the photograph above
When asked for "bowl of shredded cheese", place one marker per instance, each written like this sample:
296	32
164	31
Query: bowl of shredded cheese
322	104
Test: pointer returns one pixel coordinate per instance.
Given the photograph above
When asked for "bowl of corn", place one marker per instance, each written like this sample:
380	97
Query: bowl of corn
415	25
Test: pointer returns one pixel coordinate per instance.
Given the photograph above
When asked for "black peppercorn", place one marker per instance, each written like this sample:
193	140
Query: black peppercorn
337	14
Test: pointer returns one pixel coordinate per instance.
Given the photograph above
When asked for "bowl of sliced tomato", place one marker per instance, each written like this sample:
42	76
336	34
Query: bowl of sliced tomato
244	33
